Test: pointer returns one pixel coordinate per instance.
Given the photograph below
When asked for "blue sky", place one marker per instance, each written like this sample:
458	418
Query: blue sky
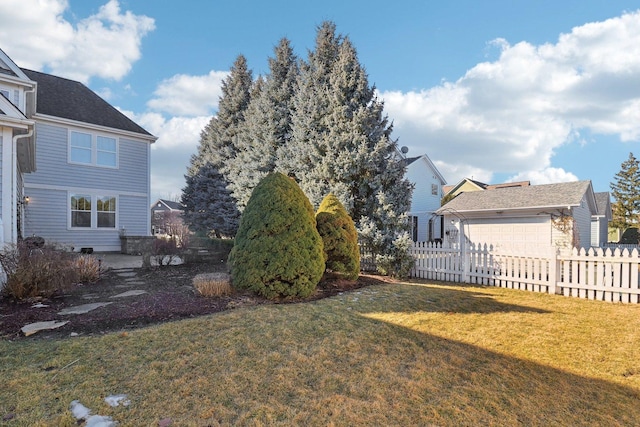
545	91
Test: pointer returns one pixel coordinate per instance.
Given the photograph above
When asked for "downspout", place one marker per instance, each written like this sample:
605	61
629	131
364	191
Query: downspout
14	179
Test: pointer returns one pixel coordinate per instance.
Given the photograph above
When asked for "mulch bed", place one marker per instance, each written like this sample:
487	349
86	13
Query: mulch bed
169	296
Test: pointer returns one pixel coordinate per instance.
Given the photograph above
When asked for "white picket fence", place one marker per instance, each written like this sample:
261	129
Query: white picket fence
600	274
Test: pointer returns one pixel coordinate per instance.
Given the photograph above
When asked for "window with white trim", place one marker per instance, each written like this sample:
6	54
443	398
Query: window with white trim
95	150
80	210
92	211
434	189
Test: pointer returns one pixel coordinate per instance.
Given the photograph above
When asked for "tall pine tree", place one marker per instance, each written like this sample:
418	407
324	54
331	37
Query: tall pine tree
267	124
218	139
341	144
210	207
626	192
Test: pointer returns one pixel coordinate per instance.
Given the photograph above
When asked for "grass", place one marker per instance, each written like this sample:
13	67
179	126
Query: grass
398	354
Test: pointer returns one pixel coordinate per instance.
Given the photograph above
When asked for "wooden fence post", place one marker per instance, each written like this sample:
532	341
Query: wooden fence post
554	268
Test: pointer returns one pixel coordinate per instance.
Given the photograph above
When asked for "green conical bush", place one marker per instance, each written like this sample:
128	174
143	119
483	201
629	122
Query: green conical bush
277	250
340	238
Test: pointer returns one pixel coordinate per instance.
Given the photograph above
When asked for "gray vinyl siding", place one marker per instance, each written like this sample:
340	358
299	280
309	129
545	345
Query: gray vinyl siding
582	216
131	175
133	215
47	214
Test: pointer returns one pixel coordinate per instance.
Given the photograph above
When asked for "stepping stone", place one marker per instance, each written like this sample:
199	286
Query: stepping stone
32	328
126	274
130	293
124	286
130	282
84	308
90	296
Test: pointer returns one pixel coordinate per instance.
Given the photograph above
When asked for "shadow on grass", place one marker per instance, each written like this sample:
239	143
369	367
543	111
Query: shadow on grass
468	385
446	298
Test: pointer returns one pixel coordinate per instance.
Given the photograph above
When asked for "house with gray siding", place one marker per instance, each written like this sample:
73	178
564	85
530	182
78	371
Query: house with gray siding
81	175
600	221
528	218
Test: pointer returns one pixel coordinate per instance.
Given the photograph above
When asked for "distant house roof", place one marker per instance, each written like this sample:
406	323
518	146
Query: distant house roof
482	186
508	184
164	204
603	204
549	196
69	99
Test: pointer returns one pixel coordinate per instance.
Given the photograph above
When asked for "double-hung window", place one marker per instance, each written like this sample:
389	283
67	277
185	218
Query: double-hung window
95	150
92	211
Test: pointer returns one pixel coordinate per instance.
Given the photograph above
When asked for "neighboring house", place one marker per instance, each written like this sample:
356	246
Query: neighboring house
165	215
467	184
534	217
428	181
75	170
600	221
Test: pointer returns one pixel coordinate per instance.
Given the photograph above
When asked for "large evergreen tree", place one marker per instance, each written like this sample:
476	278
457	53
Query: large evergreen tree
267	124
626	192
219	138
209	207
341	143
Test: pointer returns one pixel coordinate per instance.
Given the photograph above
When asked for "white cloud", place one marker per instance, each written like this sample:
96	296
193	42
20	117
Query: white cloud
36	35
509	115
186	95
545	176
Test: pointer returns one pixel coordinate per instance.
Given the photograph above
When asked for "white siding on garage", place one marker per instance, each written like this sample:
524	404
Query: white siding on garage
510	233
582	217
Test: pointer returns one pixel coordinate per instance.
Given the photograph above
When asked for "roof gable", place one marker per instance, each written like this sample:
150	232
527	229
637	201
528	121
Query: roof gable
471	184
167	205
8	67
69	99
549	196
426	161
603	205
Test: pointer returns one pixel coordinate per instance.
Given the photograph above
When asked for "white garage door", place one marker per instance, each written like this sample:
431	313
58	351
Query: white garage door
518	234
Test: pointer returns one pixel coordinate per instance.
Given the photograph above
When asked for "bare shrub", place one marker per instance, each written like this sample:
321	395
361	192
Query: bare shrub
36	272
165	251
88	268
213	284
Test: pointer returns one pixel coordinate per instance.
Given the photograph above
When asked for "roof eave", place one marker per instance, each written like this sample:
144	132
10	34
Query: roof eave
526	208
45	117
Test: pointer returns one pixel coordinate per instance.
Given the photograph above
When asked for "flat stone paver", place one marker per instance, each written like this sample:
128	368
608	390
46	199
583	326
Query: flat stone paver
82	309
32	328
131	293
126	273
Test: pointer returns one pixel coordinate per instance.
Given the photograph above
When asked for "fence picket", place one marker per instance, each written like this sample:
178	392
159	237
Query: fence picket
606	275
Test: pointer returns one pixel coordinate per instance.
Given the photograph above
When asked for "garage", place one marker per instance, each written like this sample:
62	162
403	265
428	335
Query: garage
532	233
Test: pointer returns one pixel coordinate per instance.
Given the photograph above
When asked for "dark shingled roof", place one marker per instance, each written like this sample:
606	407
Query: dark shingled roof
170	204
69	99
535	196
602	201
409	160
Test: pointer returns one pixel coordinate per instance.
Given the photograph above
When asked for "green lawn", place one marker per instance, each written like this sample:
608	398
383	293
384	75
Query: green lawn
397	354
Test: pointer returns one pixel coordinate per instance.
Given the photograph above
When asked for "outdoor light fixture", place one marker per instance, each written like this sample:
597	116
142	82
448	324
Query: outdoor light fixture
25	200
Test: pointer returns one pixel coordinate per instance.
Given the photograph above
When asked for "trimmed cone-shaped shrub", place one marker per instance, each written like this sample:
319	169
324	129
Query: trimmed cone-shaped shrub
340	238
277	250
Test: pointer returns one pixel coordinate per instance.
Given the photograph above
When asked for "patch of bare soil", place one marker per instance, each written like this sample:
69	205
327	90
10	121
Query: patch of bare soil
169	295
